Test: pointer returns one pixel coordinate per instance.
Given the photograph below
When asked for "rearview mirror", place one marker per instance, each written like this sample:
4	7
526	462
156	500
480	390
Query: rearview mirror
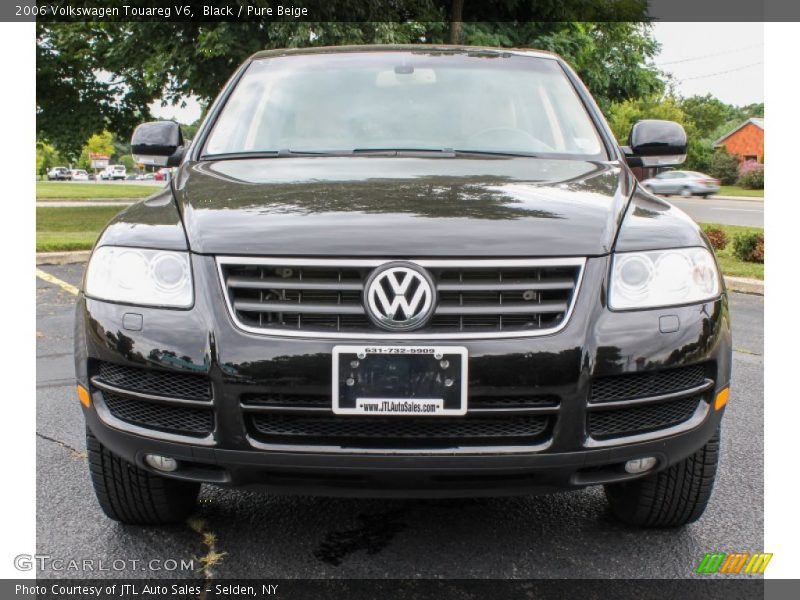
655	143
159	143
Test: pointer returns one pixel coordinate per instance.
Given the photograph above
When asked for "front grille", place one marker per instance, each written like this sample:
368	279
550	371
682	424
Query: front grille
634	420
148	381
397	431
641	385
473	297
161	417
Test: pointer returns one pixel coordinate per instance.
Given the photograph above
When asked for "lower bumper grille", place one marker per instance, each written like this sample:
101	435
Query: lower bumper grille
147	381
638	385
181	420
397	431
159	400
635	420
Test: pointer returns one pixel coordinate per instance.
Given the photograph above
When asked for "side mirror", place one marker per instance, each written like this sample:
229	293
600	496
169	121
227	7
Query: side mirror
654	143
159	143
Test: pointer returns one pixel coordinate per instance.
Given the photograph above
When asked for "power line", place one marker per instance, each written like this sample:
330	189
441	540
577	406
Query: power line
742	68
723	53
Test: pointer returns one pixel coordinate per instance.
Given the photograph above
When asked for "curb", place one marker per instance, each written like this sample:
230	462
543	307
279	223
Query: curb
742	198
744	285
62	258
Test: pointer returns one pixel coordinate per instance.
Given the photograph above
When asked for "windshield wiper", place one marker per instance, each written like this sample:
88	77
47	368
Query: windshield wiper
448	152
493	153
273	154
443	152
438	152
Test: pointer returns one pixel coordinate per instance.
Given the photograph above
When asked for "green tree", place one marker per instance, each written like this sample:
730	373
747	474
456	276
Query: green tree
622	115
98	143
724	166
75	98
127	161
614	58
707	113
47	157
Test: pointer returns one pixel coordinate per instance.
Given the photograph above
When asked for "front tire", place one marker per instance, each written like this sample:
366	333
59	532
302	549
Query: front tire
673	497
686	193
134	496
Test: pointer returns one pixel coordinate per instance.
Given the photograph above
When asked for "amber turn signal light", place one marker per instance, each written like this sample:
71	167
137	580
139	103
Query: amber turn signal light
722	398
84	397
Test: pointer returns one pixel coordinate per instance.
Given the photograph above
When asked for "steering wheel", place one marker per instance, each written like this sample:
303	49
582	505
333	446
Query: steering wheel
523	137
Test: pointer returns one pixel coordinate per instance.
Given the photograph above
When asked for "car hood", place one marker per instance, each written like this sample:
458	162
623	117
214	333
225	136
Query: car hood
401	207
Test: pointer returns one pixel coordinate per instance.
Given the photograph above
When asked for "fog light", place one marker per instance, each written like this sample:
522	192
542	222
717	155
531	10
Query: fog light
640	465
161	463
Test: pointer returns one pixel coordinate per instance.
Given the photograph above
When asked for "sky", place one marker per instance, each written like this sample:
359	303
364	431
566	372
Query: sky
721	59
725	60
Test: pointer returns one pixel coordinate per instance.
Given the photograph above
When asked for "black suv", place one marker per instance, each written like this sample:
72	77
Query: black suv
404	271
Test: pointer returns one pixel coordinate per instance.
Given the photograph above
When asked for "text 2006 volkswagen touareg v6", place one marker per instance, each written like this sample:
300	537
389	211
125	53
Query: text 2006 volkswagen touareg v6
404	271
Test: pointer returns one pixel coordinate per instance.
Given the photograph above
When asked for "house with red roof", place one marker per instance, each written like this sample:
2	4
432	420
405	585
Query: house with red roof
746	141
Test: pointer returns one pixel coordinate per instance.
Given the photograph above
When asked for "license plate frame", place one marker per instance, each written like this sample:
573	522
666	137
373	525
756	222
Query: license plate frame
451	402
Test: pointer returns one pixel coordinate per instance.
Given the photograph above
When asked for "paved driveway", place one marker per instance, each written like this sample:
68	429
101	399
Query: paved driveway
564	535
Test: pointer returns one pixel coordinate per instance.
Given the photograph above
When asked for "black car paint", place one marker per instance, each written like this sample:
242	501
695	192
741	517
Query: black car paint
595	342
334	206
408	208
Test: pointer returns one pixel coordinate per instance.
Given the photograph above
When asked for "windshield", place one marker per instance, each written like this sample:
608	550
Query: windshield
364	101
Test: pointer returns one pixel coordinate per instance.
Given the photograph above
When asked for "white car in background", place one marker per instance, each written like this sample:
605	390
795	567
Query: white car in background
59	174
683	183
113	172
79	175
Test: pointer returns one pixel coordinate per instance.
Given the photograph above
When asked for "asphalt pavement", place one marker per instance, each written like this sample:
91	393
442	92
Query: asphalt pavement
259	535
725	211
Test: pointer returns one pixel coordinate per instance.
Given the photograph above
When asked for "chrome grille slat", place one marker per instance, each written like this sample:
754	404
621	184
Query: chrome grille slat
298	307
304	284
476	298
504	309
507	286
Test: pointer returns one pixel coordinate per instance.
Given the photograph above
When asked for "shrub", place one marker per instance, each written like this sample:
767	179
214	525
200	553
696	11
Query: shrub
749	247
724	167
717	237
751	175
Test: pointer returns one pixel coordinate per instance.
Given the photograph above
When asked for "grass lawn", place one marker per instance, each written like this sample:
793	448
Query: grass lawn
735	190
728	262
54	190
71	228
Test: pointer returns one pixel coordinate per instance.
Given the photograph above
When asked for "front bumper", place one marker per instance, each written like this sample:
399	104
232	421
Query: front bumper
595	343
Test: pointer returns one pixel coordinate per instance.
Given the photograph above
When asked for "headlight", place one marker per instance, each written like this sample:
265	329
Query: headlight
662	278
140	276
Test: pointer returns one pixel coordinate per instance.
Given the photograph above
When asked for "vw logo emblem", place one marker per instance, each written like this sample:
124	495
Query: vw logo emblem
399	296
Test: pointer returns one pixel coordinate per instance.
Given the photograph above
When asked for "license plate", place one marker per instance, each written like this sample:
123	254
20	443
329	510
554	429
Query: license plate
417	381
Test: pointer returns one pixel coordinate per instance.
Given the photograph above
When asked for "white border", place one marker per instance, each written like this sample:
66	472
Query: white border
781	330
17	237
